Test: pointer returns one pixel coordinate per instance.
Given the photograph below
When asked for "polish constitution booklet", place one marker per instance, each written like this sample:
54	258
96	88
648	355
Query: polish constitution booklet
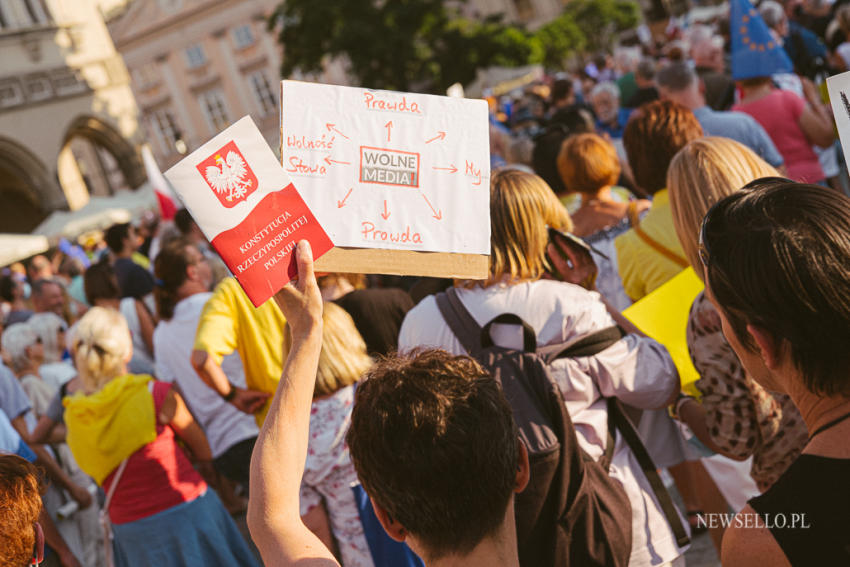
248	208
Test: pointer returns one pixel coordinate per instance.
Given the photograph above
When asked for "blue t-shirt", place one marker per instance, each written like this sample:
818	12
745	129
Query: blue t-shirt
742	128
622	118
11	443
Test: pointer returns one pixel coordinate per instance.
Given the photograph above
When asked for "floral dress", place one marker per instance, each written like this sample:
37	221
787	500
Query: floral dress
742	417
329	475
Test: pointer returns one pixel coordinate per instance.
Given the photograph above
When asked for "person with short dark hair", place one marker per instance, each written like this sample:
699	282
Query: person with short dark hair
645	81
48	296
776	258
133	279
654	134
450	502
680	83
562	95
12	293
566	122
100	284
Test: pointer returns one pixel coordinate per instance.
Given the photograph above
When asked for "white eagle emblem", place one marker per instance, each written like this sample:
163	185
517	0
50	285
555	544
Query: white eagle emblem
228	176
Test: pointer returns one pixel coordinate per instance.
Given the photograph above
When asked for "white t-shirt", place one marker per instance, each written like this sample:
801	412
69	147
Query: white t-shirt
142	361
173	341
57	373
637	370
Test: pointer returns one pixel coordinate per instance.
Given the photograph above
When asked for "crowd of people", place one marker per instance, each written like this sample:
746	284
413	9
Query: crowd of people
146	402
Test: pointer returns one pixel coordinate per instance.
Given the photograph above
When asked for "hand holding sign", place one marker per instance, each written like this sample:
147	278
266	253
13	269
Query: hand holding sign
248	209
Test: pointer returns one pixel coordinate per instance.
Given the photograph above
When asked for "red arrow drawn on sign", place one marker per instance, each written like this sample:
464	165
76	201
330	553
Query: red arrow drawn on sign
451	169
386	213
437	214
440	136
329	161
389	126
332	127
341	204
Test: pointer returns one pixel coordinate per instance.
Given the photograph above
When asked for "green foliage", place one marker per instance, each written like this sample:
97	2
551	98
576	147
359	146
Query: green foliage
601	20
585	26
395	44
557	40
423	45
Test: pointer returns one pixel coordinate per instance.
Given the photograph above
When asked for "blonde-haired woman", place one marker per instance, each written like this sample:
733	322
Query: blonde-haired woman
636	369
329	473
735	417
123	430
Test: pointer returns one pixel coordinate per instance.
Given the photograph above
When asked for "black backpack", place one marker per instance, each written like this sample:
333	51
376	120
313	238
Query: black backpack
572	512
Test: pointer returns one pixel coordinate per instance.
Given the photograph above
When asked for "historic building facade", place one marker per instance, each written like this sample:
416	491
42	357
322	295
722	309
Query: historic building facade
197	66
68	120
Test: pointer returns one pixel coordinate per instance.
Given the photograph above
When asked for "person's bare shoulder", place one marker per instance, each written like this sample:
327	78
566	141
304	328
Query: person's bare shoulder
747	543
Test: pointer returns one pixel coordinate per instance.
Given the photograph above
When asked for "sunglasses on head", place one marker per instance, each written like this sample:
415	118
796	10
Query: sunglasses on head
703	249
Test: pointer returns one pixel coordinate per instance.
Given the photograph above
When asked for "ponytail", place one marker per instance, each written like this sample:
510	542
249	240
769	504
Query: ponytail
103	346
170	272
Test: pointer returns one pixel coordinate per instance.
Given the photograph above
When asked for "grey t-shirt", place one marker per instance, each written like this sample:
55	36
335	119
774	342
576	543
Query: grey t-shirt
13	400
742	128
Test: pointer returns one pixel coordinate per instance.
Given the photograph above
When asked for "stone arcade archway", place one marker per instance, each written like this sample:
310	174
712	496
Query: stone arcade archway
96	159
27	191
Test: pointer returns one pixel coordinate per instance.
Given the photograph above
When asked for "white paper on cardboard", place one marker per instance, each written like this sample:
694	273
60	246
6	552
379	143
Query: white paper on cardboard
392	170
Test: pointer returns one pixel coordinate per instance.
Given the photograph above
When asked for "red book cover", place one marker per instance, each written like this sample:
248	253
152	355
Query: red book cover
248	208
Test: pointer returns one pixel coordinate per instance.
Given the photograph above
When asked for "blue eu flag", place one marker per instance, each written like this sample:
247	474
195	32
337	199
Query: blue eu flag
754	51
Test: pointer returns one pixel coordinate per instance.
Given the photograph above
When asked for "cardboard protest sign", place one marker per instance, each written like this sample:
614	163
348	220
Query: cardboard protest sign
248	208
389	173
839	97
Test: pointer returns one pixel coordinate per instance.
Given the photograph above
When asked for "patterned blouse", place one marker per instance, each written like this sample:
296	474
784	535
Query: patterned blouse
329	475
743	418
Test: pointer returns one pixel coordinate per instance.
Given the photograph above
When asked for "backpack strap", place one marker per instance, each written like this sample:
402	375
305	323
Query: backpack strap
459	320
529	336
586	345
618	418
651	242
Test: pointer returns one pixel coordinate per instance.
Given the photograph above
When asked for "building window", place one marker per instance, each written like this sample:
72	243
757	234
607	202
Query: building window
195	56
165	129
214	109
66	82
243	36
264	94
38	87
11	93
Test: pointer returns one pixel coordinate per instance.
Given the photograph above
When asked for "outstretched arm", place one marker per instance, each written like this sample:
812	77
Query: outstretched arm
277	464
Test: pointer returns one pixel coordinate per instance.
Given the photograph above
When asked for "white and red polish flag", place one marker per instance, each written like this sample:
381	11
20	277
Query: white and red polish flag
247	207
166	198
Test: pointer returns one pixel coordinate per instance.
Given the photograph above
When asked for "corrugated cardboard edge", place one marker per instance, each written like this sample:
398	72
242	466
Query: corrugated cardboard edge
398	262
404	263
